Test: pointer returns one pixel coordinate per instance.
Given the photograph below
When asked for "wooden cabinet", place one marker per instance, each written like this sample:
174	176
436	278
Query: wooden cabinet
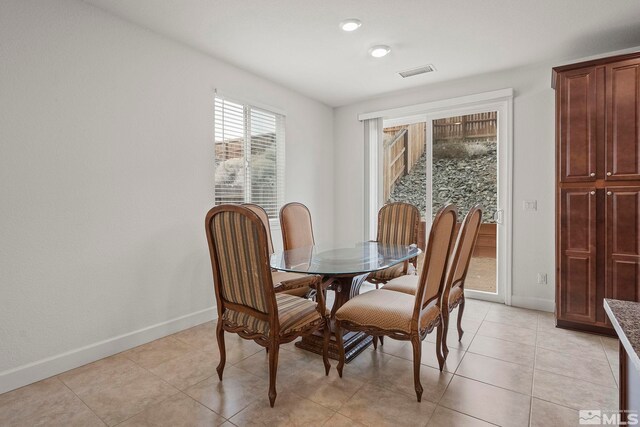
577	125
623	118
623	243
578	255
598	188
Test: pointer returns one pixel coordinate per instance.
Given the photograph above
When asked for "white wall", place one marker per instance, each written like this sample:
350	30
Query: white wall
534	144
106	173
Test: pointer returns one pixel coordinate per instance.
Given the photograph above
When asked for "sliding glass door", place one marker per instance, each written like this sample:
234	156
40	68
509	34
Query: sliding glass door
464	171
451	157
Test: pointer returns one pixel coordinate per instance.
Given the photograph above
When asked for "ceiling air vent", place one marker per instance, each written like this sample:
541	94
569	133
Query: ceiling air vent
415	71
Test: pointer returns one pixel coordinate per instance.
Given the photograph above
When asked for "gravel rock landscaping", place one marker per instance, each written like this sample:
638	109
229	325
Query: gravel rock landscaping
463	173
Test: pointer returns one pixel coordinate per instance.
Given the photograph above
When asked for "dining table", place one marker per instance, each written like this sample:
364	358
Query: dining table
344	268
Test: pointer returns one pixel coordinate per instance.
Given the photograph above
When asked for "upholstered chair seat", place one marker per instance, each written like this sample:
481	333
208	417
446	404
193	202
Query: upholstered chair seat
294	314
293	283
409	284
403	284
398	270
387	310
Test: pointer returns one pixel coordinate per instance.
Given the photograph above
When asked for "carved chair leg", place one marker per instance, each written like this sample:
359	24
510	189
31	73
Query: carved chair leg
338	332
417	355
273	370
376	339
439	344
338	300
460	311
221	347
445	321
325	345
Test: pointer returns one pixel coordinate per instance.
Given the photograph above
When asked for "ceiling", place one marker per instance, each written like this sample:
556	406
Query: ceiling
299	44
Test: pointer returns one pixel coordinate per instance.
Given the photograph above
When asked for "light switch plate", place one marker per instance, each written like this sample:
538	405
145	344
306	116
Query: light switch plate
530	205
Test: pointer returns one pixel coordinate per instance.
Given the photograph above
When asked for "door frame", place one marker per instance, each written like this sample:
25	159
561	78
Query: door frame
500	101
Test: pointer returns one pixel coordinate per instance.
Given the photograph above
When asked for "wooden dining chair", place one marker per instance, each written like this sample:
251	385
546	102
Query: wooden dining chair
295	222
397	224
296	284
402	316
246	299
456	273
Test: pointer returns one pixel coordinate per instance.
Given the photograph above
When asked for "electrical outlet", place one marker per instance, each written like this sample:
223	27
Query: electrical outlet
542	278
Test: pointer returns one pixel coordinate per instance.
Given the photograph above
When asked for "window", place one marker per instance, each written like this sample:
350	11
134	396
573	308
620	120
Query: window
249	155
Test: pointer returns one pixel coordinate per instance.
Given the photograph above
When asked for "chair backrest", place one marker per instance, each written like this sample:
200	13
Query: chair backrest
465	244
240	261
264	217
436	260
295	221
398	224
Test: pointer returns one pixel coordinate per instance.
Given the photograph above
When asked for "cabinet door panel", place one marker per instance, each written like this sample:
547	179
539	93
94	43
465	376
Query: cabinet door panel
623	243
577	291
623	119
578	282
577	125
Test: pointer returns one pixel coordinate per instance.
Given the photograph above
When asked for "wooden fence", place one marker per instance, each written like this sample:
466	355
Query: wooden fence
396	162
480	125
403	146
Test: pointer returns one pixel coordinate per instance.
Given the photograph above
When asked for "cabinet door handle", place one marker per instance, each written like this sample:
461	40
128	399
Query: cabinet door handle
608	173
609	193
593	193
592	174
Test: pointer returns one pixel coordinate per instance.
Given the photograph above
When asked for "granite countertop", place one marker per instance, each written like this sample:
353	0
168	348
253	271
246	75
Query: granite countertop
625	317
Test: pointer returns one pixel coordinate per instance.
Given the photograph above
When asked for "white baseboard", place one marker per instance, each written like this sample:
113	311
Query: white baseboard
45	368
533	303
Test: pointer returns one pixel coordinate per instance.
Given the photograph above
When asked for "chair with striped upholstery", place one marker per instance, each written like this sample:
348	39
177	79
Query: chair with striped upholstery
402	316
456	275
397	224
288	283
246	299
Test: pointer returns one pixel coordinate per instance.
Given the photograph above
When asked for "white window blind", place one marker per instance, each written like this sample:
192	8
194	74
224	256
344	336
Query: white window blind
249	155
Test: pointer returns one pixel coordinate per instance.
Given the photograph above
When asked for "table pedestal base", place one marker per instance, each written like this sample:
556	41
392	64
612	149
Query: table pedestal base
345	287
354	344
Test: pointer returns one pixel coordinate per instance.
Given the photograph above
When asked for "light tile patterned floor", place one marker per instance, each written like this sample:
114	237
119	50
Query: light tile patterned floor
512	368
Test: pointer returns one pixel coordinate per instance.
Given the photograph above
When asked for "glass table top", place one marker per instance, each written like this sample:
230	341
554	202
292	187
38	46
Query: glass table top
343	260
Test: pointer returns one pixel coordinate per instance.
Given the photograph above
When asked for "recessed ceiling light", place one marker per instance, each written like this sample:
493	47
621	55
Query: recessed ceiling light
379	51
350	24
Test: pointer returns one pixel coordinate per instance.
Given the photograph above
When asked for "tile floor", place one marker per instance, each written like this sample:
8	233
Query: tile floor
512	368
